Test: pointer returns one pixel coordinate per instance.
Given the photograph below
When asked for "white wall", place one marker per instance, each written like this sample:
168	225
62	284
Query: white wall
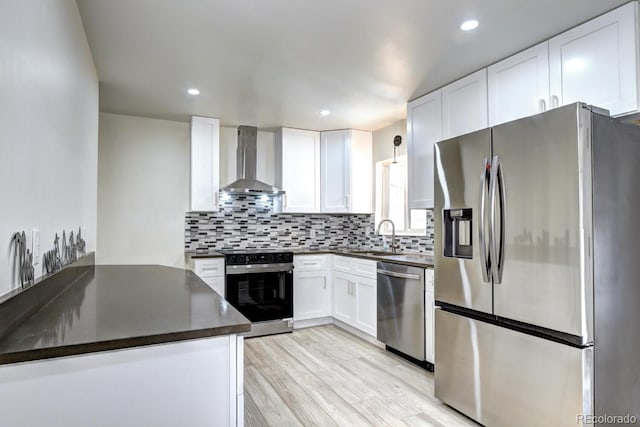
48	126
383	141
143	195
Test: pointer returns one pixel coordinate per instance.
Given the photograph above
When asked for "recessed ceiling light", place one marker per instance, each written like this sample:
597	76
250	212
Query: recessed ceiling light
469	25
193	91
325	112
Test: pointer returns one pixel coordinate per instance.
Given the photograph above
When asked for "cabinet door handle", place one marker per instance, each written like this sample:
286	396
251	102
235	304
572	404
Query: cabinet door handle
555	101
324	279
216	199
542	106
284	202
346	201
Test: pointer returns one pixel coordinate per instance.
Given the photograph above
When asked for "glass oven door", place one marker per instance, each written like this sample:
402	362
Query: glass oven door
261	292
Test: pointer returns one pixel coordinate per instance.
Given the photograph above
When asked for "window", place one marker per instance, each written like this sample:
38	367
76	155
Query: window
391	199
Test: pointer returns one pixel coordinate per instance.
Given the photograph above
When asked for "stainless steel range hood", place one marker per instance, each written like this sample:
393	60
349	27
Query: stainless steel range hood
246	166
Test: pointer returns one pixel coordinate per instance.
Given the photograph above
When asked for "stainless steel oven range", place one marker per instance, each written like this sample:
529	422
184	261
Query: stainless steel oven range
260	285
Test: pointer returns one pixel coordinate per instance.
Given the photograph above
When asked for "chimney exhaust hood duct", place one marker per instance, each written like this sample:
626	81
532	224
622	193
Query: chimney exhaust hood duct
246	166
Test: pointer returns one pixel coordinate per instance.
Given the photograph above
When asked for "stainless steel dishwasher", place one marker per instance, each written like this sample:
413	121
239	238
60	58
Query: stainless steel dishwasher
401	309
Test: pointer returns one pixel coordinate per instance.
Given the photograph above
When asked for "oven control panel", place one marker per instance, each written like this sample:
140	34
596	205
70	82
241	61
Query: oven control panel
259	258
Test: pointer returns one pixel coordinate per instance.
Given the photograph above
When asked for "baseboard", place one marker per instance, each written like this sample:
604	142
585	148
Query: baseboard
309	323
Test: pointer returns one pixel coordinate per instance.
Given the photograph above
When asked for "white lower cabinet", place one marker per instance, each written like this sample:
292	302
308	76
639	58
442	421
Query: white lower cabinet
312	288
429	320
366	305
311	295
211	271
195	382
355	293
216	283
344	302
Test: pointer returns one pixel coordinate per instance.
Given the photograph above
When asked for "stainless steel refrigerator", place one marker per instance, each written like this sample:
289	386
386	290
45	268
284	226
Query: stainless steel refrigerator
537	271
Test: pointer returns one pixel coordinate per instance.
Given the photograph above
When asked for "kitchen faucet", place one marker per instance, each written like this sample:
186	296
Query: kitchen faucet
394	246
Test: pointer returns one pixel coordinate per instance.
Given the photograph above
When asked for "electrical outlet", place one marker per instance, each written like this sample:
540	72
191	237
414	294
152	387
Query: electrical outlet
35	246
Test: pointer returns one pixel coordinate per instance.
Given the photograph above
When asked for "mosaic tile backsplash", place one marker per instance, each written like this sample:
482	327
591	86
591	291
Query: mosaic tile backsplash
248	222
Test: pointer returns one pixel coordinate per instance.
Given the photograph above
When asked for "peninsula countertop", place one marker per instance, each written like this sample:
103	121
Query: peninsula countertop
121	306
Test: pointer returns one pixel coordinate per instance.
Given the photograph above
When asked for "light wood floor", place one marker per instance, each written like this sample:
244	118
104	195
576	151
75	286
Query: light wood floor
324	376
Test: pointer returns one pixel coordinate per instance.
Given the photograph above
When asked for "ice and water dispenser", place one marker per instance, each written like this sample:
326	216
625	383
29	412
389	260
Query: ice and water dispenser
458	242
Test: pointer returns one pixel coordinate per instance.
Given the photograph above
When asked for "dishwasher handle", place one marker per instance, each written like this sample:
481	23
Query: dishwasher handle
399	275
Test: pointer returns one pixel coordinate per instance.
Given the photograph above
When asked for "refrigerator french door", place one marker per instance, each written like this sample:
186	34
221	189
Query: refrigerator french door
513	271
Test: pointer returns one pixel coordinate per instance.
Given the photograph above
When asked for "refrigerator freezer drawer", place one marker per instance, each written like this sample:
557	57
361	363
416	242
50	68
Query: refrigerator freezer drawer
500	377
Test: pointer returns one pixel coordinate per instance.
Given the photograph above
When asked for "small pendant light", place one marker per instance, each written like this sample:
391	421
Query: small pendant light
397	140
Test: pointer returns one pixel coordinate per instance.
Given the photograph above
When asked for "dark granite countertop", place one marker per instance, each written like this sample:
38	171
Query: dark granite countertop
204	254
405	258
115	307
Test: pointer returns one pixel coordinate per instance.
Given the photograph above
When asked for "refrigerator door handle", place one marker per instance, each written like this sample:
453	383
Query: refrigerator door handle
497	241
484	260
503	201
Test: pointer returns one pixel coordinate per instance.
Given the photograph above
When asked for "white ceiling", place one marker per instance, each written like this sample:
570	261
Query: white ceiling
275	63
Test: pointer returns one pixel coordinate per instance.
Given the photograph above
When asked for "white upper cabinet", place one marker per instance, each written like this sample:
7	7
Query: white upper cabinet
361	157
424	129
228	154
596	62
346	160
464	105
335	176
298	169
519	85
205	163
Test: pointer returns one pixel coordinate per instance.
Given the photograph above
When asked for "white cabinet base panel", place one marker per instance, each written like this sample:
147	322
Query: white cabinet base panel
309	323
188	383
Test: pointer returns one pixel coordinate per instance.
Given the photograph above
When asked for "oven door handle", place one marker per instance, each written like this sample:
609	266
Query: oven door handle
259	268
